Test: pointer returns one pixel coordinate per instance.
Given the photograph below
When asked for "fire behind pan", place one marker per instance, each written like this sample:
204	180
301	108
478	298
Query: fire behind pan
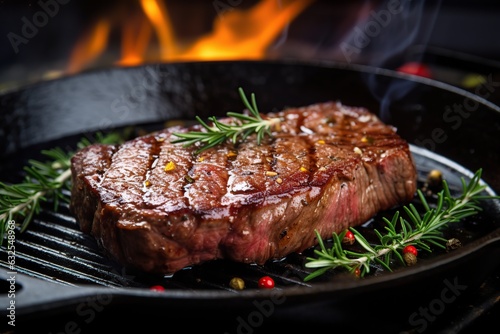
60	273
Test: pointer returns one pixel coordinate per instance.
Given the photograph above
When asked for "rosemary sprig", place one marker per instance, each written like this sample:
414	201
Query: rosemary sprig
244	125
421	230
43	181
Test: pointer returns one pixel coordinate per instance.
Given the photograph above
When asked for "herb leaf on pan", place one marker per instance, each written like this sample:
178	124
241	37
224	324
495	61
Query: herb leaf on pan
421	229
243	126
43	181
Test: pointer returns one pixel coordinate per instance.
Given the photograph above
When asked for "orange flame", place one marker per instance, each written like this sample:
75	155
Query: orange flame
244	35
90	46
158	15
135	43
236	34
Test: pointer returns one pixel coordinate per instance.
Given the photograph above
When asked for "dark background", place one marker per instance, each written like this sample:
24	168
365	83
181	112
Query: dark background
466	28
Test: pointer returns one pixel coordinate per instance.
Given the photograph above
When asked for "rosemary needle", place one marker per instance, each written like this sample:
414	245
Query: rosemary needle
43	181
421	229
243	126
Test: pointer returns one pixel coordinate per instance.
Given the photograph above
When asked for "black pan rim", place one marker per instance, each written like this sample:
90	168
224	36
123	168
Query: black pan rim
359	68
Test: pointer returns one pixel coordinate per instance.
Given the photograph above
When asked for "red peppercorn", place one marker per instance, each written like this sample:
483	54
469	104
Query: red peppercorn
416	68
410	249
157	288
348	238
266	282
357	272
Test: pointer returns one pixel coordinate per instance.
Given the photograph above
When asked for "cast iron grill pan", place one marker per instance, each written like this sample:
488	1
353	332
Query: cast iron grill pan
55	257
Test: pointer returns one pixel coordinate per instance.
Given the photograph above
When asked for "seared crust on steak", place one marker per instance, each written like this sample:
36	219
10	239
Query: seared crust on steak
327	167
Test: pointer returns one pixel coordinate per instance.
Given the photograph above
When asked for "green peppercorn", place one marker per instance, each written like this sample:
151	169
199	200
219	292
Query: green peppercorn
237	283
435	179
410	259
452	244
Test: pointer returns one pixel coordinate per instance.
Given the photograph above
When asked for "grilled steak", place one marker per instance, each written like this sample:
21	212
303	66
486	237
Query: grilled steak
159	207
